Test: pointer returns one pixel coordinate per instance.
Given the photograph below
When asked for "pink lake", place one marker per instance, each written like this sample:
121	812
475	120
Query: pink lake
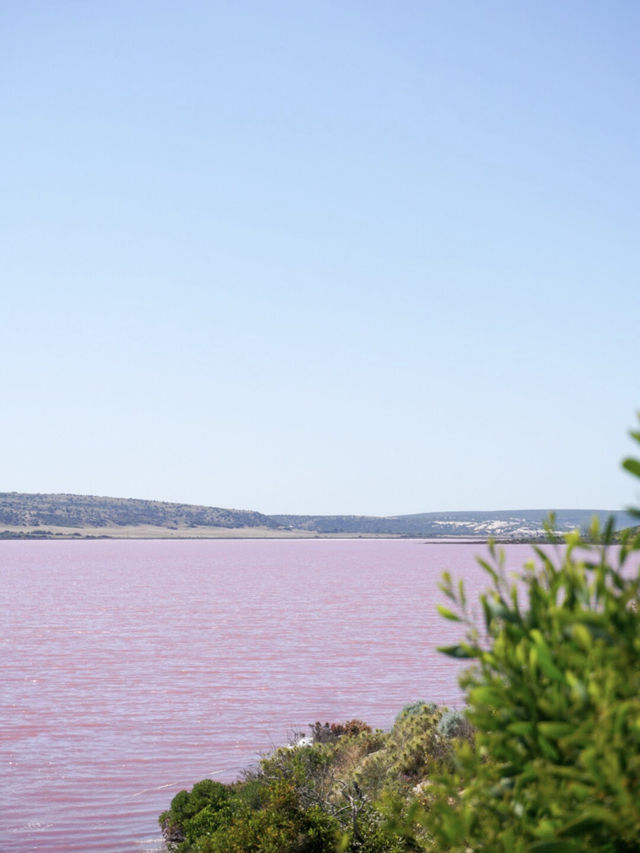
132	669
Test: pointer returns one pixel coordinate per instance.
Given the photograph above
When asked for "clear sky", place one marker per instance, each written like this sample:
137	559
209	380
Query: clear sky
348	256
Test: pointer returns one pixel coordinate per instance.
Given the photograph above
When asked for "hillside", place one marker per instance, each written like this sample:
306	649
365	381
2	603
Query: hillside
511	524
88	511
44	515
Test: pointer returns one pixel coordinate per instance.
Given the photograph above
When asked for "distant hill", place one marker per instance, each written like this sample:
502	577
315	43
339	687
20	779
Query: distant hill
510	524
77	515
25	510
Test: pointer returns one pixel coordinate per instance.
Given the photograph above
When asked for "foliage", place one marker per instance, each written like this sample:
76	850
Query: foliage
280	823
33	516
416	708
333	793
454	724
329	732
202	811
249	815
555	699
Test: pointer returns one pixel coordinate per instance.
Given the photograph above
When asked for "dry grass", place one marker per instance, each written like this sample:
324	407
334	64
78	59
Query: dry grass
149	531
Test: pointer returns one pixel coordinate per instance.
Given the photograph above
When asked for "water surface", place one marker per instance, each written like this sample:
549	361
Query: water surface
132	669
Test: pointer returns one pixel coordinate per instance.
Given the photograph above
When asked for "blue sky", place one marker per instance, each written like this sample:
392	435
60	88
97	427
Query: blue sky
351	257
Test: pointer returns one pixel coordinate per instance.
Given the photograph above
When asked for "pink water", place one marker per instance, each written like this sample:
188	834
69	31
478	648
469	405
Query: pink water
133	669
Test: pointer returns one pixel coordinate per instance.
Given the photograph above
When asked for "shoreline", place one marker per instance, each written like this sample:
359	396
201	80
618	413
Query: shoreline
150	532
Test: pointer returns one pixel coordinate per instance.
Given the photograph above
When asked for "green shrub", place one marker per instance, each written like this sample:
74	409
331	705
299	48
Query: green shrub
302	799
281	825
454	724
416	708
202	810
555	699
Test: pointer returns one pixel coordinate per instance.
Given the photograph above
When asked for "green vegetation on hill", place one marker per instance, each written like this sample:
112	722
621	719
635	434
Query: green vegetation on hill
546	758
24	510
514	524
73	515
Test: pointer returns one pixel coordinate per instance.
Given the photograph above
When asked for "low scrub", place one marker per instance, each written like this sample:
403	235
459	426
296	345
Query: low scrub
334	790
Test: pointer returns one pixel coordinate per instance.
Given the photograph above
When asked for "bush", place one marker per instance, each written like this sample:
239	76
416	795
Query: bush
203	810
454	724
302	799
330	732
416	708
280	824
555	699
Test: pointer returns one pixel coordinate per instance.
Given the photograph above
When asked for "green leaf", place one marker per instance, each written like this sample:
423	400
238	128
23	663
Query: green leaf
489	570
556	730
546	665
486	696
582	636
543	657
593	818
632	466
462	596
521	728
448	614
499	610
462	651
547	749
